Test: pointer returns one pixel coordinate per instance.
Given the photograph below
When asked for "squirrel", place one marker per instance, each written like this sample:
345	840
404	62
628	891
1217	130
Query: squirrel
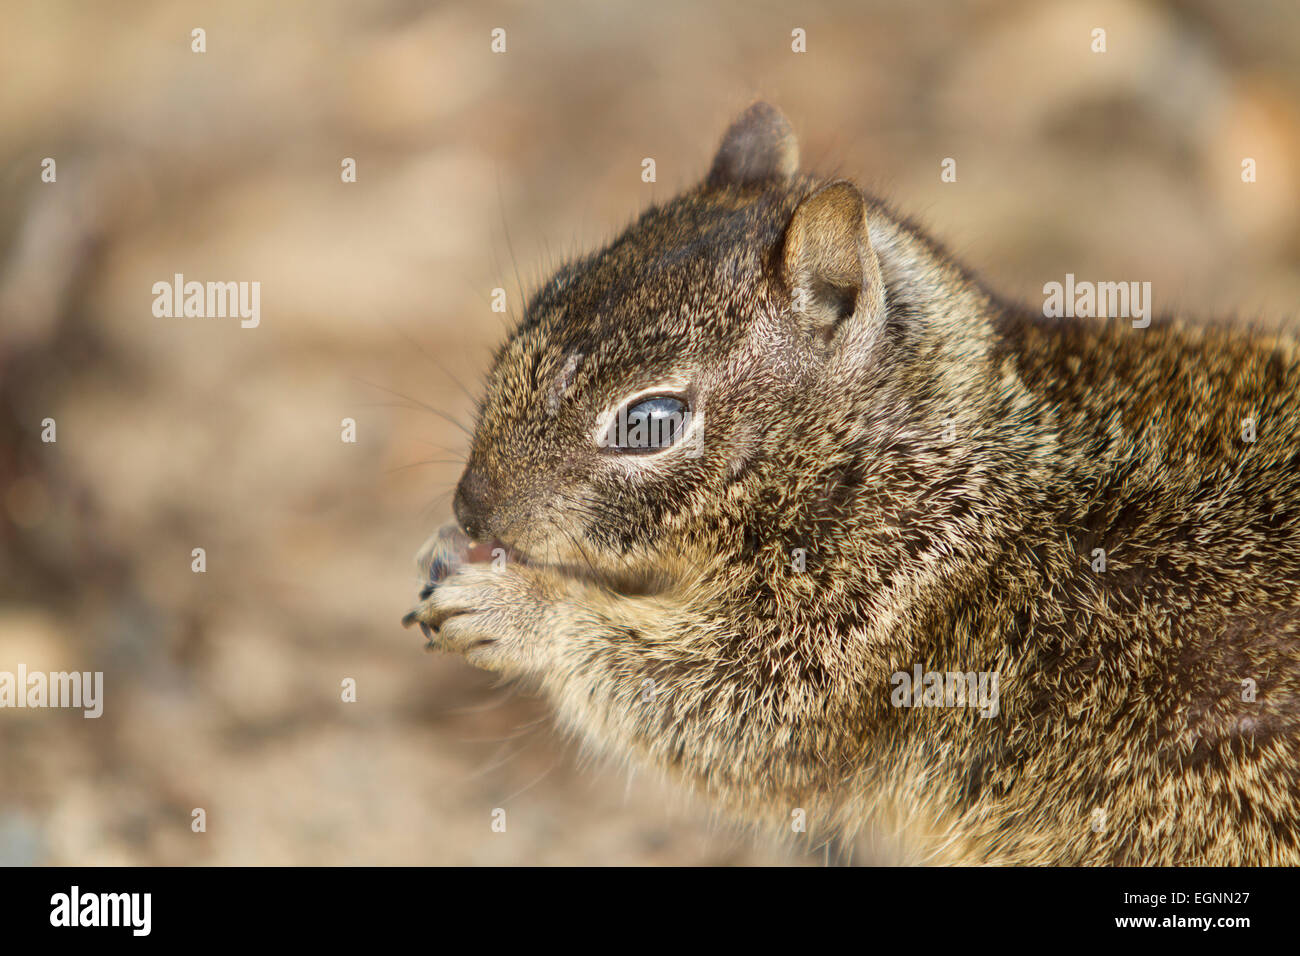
773	495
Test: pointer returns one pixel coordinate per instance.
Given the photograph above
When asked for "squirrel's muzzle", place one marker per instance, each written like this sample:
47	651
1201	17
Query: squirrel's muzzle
471	503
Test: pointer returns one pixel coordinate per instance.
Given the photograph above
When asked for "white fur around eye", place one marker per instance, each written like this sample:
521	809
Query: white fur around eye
689	442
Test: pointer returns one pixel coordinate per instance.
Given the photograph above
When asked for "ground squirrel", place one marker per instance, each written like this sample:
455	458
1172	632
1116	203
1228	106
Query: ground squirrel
772	494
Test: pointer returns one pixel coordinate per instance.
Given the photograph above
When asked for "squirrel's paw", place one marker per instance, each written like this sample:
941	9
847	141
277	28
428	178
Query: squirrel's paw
498	618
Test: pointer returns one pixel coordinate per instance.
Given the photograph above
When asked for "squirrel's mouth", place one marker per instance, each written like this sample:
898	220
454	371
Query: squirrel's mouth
447	550
455	549
450	549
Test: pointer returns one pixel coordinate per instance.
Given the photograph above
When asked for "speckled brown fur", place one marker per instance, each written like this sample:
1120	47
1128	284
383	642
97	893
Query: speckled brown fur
947	465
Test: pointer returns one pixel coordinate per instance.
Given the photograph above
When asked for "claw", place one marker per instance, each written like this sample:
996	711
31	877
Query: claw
429	617
441	556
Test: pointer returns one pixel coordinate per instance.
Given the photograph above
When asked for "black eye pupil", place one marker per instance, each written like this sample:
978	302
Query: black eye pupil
649	424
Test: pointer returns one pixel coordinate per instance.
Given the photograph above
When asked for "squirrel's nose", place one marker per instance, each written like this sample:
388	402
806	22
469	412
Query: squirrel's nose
471	504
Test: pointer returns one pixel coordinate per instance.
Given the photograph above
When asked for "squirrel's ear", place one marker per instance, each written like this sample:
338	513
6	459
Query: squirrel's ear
828	265
759	146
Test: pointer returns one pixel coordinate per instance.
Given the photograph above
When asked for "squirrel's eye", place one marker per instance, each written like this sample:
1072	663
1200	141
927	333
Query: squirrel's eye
647	424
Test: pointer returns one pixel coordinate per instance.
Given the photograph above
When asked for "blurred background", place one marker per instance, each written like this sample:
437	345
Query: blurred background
474	171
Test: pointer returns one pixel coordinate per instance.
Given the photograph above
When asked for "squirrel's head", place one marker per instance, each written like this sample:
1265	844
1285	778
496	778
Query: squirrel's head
759	372
645	380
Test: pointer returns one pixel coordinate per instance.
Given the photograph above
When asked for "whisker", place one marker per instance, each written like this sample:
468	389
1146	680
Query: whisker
434	504
436	364
441	448
420	405
505	228
528	786
430	461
